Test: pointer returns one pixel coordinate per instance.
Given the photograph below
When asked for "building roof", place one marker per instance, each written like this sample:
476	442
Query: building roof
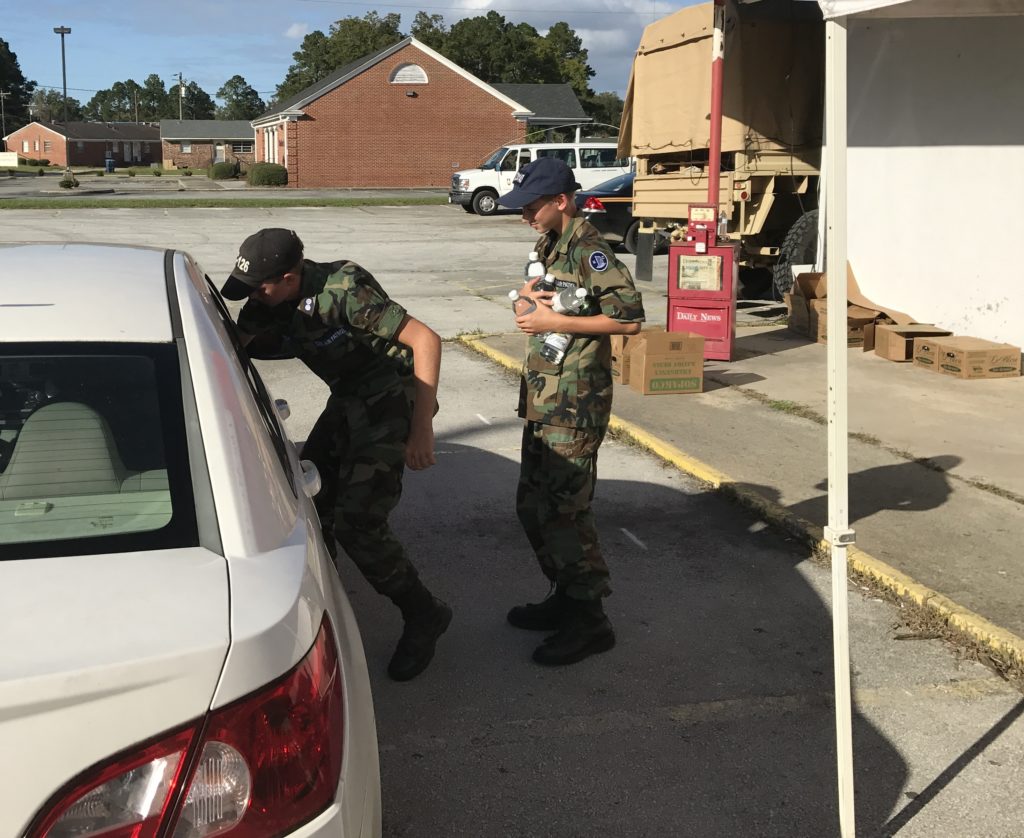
547	101
206	129
295	103
103	130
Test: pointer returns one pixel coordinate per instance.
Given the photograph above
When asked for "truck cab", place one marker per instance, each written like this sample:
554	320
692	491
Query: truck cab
477	190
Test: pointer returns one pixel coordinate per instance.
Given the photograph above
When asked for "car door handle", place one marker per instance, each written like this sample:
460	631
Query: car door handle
282	408
310	478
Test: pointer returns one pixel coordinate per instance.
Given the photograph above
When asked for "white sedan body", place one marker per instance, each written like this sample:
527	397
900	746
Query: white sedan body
148	608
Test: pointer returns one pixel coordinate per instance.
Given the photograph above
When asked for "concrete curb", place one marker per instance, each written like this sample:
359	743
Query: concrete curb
999	641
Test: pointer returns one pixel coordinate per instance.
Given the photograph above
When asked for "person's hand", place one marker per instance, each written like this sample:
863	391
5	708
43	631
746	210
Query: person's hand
540	296
419	448
542	319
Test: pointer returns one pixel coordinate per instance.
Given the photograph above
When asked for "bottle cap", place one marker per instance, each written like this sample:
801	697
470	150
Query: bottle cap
534	256
581	292
513	294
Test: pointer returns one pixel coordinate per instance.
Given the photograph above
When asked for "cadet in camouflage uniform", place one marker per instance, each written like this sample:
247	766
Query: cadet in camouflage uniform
567	407
382	367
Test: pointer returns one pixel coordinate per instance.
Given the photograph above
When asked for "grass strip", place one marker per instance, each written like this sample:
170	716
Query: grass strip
210	203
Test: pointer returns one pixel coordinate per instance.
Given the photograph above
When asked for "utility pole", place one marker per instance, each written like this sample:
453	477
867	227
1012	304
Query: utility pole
181	95
62	31
3	119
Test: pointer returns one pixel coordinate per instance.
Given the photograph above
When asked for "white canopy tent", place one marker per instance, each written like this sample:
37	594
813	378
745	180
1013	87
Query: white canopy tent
930	97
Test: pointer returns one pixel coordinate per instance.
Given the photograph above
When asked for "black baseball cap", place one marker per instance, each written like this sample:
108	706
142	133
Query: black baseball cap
269	253
544	176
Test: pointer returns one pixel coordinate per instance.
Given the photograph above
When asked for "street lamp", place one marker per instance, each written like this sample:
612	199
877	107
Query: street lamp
62	31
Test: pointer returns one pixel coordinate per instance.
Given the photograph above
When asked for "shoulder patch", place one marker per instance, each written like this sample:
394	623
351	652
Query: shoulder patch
309	304
598	261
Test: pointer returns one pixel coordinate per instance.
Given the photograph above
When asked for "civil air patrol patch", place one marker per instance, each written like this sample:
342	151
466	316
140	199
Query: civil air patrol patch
307	304
598	261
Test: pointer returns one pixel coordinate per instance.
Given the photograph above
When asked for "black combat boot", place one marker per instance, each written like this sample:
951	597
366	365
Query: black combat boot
426	619
585	631
540	616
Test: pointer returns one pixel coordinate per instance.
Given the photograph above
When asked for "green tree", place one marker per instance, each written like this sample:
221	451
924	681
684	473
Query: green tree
349	39
563	46
13	82
47	105
241	101
494	50
154	100
604	108
196	103
430	30
119	103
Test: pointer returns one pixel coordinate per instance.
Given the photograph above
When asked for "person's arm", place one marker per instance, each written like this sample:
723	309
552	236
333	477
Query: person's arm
426	357
545	319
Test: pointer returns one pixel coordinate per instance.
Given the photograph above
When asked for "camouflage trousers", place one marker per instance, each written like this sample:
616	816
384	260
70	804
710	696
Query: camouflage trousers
556	485
358	446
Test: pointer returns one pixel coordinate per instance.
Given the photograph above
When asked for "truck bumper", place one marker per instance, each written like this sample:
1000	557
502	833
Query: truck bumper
463	199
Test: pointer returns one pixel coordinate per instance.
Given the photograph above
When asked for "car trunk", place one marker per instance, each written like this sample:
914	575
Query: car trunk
100	653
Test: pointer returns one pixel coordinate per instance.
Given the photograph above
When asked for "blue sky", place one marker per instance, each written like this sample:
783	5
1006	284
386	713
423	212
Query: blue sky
210	41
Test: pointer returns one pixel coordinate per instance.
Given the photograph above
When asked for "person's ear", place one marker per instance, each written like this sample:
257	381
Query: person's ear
564	202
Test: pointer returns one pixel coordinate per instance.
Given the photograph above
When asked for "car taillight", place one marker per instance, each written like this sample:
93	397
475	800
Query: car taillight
266	764
593	204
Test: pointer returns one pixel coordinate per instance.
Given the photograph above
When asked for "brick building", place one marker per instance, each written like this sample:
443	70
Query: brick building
196	143
404	116
87	143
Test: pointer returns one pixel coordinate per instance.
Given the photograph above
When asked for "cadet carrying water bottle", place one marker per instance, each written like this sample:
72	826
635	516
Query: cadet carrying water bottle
556	344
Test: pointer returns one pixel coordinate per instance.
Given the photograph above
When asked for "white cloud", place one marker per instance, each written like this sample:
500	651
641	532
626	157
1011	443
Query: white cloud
297	31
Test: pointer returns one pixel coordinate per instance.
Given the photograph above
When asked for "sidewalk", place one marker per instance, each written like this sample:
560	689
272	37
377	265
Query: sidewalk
936	466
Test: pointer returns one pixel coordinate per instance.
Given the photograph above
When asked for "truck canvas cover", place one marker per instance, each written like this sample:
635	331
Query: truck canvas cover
773	80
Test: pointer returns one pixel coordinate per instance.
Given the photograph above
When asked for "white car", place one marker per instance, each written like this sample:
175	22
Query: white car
179	657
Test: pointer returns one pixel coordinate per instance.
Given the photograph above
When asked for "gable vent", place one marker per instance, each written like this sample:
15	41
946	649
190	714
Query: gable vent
409	74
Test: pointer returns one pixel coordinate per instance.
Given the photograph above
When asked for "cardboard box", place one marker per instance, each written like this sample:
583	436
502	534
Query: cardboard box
857	319
896	343
620	359
925	353
811	286
966	357
666	362
799	319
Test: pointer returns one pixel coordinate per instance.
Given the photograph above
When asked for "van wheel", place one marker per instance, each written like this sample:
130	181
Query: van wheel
800	247
485	202
467	207
631	240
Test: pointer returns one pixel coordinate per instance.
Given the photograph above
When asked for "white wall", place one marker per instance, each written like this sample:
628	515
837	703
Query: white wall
936	170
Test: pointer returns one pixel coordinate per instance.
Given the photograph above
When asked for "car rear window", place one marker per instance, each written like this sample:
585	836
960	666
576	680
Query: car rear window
93	451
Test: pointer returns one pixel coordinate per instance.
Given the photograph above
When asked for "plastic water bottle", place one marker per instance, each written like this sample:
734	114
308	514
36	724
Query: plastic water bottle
546	283
556	344
534	268
521	304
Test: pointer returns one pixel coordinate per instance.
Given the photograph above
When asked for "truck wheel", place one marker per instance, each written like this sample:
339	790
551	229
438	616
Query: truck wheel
485	202
632	238
800	247
467	207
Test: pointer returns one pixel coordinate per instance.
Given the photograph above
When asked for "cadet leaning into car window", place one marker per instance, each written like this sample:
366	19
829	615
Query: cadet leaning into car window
382	367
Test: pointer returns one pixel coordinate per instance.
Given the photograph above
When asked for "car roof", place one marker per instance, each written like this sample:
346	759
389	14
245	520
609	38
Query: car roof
83	292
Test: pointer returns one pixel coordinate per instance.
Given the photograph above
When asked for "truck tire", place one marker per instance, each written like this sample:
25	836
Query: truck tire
468	207
485	202
631	239
800	247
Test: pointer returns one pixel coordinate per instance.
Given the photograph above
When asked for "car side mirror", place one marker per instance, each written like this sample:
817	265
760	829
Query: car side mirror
310	478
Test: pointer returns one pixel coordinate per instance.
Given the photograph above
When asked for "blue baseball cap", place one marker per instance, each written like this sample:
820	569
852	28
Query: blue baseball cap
544	176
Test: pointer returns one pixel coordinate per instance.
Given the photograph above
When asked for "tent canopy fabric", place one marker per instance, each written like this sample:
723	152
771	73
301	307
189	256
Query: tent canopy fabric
918	8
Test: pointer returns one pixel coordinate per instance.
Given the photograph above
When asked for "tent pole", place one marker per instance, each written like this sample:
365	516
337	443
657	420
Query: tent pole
717	73
838	531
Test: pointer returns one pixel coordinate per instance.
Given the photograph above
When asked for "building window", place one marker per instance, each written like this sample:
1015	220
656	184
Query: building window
24	146
186	147
145	147
241	148
409	74
47	145
35	145
80	145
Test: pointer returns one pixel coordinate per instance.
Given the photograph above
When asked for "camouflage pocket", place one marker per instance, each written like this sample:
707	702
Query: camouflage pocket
536	364
572	443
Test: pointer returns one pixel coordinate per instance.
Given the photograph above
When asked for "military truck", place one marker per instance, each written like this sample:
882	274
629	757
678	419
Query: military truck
772	117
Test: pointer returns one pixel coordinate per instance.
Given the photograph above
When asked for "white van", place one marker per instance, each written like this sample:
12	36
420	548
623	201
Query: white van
477	190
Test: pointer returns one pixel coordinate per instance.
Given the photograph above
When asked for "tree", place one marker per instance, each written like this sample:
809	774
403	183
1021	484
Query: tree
604	108
562	45
154	100
12	81
47	105
196	103
494	50
349	40
430	30
118	103
241	101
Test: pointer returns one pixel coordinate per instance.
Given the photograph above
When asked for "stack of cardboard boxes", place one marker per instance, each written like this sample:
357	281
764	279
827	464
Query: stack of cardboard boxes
894	337
657	361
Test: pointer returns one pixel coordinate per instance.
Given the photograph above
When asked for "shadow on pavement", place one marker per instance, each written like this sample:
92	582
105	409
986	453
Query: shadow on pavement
713	715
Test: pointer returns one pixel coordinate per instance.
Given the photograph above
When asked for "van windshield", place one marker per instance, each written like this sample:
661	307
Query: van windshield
494	159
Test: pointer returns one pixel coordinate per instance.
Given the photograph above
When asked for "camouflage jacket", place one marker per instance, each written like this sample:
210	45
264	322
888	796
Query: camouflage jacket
578	392
342	328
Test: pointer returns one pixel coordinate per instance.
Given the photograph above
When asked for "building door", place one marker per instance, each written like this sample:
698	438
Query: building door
218	153
136	152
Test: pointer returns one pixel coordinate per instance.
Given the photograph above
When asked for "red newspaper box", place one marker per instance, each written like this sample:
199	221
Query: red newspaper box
702	280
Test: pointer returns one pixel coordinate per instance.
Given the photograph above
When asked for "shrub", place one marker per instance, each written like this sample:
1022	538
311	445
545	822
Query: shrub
41	172
99	174
69	181
221	171
29	161
267	174
187	172
157	173
131	173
